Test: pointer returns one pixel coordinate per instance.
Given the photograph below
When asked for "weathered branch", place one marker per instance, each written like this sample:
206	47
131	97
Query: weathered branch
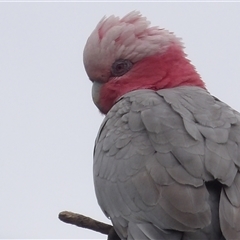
89	223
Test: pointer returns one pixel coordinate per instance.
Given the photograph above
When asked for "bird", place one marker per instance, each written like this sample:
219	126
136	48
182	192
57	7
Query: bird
166	161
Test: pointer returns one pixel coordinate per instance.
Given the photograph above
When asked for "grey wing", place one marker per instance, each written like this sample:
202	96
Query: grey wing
220	127
150	165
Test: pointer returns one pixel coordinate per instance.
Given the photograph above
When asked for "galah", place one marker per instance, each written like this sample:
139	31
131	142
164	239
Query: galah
167	155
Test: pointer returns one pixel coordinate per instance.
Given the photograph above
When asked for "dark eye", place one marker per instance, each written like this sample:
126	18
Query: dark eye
120	67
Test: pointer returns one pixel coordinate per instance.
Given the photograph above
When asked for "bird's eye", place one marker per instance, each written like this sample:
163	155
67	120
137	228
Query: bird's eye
120	67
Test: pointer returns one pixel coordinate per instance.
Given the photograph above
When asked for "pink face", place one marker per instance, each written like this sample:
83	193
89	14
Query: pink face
123	55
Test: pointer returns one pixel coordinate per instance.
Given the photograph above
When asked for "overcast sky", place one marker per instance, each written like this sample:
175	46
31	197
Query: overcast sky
48	122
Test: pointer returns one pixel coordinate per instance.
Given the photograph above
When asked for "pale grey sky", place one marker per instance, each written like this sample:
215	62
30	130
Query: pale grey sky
48	122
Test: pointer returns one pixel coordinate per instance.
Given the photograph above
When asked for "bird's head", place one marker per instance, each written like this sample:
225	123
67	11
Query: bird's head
122	55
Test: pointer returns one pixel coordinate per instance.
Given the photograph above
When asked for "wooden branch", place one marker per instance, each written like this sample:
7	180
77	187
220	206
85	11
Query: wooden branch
89	223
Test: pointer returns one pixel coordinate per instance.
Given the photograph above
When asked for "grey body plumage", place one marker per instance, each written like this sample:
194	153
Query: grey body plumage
156	153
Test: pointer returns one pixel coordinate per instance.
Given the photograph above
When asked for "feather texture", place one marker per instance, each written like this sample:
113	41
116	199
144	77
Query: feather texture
155	154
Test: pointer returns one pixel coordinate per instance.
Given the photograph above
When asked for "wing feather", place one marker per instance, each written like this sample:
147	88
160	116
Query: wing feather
153	155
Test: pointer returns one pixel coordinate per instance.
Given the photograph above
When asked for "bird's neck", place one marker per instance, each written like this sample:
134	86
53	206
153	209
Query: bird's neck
168	70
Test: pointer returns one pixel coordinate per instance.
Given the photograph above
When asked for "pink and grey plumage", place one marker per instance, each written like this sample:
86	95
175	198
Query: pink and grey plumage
167	155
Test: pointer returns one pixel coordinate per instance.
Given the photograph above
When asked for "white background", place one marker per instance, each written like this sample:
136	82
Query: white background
48	122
